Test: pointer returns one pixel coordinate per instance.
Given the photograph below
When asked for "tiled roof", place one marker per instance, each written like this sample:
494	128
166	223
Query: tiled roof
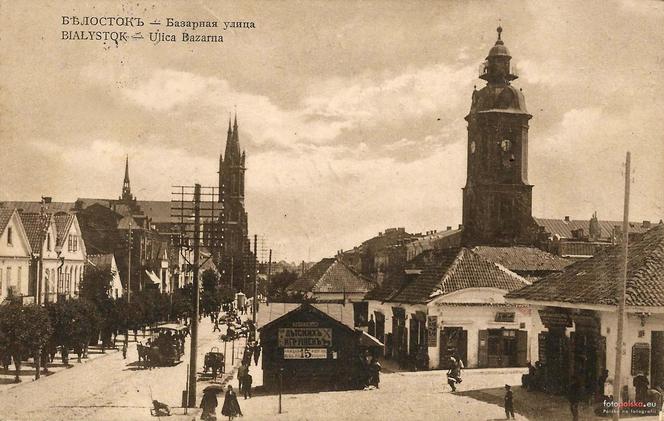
444	272
581	248
523	259
159	211
102	261
342	313
331	275
595	280
5	216
62	224
564	228
32	226
35	207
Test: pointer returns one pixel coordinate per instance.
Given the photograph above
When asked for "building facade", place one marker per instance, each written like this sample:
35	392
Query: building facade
15	255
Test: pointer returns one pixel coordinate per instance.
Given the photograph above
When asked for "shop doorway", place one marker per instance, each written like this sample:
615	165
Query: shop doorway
504	348
453	343
657	358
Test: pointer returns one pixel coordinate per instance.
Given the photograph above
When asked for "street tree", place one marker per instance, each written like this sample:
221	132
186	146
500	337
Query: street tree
26	330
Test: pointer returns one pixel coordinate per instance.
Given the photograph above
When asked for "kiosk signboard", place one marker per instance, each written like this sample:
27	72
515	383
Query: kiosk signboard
305	337
305	353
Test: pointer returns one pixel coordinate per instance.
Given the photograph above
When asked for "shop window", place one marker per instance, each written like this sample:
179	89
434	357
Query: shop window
640	358
361	313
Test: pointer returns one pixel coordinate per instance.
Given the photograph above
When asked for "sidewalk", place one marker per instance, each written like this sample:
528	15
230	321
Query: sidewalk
27	372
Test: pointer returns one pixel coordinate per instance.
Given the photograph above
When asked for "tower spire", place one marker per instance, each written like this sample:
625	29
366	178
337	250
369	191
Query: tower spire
126	186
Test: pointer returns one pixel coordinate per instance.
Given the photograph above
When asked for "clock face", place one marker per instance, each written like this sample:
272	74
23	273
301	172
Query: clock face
472	147
506	145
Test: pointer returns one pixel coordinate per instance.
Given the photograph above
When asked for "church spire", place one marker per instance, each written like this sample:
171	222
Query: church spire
126	186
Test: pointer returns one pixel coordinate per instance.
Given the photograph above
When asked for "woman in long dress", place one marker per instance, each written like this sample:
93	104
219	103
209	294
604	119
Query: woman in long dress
231	407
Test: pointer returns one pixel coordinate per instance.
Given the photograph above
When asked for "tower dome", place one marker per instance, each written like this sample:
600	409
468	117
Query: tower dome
496	68
499	48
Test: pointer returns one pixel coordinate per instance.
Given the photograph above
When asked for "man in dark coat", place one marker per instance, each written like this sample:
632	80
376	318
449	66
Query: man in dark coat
241	373
209	404
509	402
231	407
574	398
374	372
246	385
641	384
257	353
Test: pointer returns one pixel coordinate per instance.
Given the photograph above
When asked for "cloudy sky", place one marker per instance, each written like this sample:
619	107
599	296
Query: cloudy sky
351	113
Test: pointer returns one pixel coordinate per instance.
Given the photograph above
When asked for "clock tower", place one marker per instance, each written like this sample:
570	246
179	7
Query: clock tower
497	198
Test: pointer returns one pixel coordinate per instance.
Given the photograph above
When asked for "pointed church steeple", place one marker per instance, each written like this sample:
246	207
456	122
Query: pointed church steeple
126	186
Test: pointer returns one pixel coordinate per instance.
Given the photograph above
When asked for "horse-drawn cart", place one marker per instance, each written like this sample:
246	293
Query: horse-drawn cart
166	346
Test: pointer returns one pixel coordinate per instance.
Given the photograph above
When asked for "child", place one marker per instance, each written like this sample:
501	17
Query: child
509	402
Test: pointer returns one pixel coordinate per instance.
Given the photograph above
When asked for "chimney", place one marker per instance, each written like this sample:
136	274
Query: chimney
460	226
566	218
646	224
449	228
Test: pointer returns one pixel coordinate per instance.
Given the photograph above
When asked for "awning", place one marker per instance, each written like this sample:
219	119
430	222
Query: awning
368	341
154	278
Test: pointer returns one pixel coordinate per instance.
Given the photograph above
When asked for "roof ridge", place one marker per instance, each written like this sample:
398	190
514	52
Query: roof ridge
502	268
448	273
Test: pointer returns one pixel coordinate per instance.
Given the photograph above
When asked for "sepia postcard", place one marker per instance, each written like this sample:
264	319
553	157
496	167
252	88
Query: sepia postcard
331	210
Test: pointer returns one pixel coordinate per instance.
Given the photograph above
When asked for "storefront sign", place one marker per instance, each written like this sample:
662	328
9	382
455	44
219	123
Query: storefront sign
505	317
305	353
432	330
301	337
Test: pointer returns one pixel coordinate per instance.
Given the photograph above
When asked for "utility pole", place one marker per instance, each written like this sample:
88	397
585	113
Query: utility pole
194	321
232	272
255	270
269	269
129	267
621	293
43	227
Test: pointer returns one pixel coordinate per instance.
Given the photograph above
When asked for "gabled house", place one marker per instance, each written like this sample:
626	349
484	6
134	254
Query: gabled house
451	303
107	262
332	280
72	252
15	255
42	234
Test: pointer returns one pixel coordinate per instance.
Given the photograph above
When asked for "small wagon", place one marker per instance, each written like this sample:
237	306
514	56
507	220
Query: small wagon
214	360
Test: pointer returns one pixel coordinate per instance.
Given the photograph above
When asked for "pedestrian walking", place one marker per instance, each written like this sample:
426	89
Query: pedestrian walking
241	373
453	374
257	353
124	350
574	398
209	404
231	407
216	326
509	402
246	383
